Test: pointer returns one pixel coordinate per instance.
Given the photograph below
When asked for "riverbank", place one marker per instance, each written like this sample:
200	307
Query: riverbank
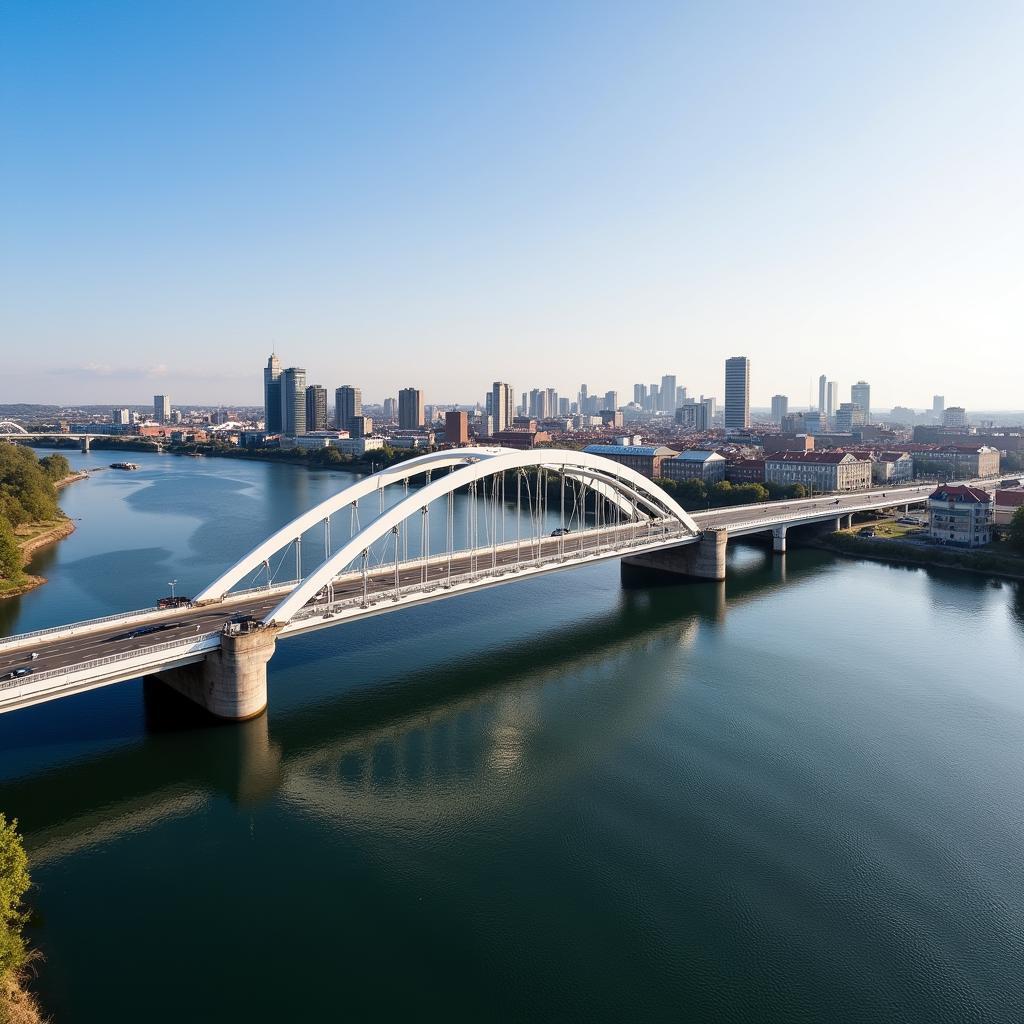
31	537
981	561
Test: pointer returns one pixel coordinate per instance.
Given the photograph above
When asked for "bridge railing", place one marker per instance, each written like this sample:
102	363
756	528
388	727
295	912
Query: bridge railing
17	639
28	685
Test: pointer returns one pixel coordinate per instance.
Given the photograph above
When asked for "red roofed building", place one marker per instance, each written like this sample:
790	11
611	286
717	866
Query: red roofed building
960	515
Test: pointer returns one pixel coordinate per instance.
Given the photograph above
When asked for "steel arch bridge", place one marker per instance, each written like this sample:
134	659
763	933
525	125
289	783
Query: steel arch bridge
623	500
10	427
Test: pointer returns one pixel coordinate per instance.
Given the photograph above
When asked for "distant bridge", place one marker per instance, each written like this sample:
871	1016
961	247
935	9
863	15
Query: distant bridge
16	432
215	650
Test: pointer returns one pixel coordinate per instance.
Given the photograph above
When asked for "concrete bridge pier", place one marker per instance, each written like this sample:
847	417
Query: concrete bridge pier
704	560
779	540
85	443
232	682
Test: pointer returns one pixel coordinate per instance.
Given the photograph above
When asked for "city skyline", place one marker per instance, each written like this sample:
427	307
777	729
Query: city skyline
658	192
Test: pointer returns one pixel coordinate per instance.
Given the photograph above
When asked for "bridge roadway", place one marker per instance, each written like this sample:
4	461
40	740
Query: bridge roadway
118	637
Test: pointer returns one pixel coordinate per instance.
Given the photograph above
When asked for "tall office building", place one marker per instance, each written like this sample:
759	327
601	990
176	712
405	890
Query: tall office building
611	401
272	395
639	394
737	393
456	427
654	397
860	397
552	402
162	408
410	408
122	417
668	393
680	396
293	401
390	410
780	408
348	403
502	408
822	394
938	404
316	408
831	399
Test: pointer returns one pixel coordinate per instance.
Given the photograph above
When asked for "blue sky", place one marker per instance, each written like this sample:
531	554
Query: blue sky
444	194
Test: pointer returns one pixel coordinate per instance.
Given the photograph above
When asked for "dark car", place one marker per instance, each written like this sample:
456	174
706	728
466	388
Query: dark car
561	531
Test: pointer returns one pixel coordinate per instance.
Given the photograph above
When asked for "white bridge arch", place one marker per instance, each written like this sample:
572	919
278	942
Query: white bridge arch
10	427
631	493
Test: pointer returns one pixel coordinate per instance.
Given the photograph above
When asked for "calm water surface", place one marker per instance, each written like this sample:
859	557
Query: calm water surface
793	797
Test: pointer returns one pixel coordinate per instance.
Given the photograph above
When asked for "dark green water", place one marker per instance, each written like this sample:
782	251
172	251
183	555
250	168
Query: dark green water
796	797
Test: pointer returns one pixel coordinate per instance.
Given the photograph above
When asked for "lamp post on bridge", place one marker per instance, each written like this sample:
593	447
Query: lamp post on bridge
172	584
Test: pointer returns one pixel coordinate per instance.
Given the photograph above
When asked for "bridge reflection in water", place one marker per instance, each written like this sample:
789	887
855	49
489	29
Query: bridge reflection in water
386	753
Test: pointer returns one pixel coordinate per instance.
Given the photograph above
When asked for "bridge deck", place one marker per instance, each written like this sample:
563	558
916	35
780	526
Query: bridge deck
111	651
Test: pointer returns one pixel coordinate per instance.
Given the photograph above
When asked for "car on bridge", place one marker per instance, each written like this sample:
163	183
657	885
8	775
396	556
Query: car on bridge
560	531
132	634
17	673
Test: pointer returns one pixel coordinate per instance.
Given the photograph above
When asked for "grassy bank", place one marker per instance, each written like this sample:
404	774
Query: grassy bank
991	561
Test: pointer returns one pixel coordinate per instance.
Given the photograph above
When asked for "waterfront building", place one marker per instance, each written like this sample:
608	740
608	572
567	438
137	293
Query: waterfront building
358	446
960	515
410	408
293	401
272	395
456	427
162	408
695	465
780	408
820	471
644	458
122	417
348	403
860	396
737	393
316	408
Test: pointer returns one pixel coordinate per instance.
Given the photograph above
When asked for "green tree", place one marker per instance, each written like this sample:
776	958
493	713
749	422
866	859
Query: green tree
14	883
1016	535
10	556
56	467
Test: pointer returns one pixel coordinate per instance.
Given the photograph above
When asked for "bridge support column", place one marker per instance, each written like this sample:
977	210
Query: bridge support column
85	444
779	540
232	682
704	560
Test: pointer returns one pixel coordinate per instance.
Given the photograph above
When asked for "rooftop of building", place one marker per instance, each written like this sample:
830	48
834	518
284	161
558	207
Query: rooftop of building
628	449
824	457
699	455
962	494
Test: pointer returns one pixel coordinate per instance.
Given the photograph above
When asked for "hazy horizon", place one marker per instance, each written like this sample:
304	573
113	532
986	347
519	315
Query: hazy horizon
441	196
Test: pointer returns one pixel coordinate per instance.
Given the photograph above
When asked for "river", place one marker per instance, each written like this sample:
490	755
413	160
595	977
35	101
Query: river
792	797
